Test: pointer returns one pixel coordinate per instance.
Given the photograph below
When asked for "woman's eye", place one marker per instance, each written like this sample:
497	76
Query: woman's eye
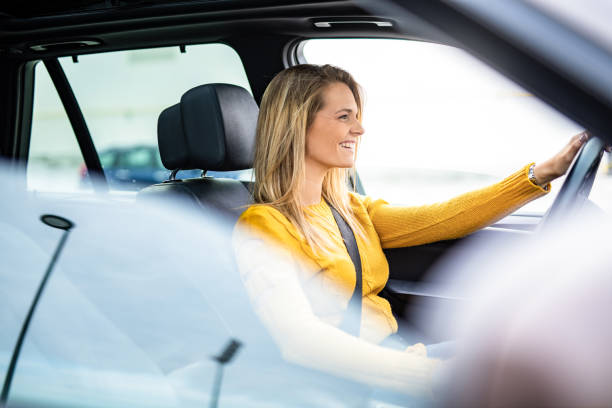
343	117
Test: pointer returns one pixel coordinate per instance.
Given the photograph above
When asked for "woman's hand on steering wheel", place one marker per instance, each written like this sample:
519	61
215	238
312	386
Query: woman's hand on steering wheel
557	165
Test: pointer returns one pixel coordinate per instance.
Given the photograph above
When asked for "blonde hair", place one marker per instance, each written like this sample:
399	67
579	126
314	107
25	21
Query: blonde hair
287	110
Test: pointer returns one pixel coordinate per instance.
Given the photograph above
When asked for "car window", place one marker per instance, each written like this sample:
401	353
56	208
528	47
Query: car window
55	162
108	159
119	325
440	123
138	158
121	95
26	254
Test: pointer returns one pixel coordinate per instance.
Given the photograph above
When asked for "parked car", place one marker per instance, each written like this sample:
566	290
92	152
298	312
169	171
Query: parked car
135	167
143	306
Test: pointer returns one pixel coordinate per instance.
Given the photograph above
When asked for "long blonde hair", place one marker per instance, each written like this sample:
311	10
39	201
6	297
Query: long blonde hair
287	110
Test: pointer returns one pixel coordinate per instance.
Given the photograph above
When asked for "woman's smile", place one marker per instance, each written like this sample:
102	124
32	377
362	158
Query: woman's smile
349	145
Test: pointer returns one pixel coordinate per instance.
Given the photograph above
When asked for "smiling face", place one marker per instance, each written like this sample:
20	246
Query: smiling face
332	137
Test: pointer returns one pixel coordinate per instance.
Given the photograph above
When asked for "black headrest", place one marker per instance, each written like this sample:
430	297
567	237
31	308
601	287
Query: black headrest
212	128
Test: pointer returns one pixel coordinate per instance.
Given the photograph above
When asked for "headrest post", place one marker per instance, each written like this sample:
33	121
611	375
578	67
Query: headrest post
173	175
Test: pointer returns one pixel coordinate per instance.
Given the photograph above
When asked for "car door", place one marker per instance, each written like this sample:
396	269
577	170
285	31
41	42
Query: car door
27	249
118	323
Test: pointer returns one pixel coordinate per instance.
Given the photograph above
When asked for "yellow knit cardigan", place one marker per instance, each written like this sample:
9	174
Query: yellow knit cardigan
329	279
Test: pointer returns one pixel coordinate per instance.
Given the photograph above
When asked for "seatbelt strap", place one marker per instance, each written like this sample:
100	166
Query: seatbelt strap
351	323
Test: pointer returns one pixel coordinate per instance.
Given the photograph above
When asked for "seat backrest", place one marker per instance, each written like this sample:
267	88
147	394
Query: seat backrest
211	128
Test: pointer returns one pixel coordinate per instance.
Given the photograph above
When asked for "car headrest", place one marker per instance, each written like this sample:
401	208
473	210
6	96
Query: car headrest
212	128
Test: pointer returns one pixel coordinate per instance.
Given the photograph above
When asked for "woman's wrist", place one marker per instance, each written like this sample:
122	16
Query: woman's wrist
543	174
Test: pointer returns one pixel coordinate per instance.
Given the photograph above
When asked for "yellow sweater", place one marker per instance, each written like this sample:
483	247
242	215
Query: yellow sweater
329	280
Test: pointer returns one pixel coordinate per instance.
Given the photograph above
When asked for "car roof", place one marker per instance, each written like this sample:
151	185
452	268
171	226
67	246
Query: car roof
259	30
185	22
27	9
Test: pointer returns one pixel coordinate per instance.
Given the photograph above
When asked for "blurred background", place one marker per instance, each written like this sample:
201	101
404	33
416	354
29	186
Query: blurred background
438	122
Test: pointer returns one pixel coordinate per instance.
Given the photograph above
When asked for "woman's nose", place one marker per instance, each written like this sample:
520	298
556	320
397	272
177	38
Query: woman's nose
358	128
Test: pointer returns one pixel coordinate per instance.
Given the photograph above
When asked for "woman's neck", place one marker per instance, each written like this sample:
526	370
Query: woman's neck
313	186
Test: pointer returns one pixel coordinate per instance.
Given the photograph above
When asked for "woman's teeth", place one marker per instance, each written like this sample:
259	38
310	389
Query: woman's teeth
347	145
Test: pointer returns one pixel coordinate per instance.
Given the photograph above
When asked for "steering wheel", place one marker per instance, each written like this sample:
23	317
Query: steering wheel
575	190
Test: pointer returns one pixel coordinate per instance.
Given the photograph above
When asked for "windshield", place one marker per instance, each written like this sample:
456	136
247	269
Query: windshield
439	123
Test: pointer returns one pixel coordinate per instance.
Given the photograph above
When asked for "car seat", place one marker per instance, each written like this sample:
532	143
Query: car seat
211	128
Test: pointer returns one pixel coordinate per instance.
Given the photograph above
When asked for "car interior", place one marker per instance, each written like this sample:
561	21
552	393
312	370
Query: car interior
212	127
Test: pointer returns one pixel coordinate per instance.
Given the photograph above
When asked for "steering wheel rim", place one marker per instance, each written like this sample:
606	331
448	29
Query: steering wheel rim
578	183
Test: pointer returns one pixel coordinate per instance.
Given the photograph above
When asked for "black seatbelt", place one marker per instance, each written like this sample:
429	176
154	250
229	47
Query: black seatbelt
351	323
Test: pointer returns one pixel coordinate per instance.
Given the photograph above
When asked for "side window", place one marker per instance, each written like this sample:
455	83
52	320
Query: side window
439	122
138	158
129	330
55	162
108	159
121	95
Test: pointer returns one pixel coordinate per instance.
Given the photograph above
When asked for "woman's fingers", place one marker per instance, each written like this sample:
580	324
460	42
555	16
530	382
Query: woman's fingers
557	165
576	142
581	138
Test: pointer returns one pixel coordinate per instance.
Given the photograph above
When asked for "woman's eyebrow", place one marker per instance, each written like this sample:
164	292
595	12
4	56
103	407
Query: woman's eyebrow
348	110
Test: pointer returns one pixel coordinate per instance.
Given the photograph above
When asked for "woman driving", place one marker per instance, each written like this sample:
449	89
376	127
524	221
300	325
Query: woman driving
308	133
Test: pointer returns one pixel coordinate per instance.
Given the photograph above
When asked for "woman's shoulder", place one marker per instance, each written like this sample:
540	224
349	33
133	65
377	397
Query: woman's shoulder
257	213
267	220
364	202
356	198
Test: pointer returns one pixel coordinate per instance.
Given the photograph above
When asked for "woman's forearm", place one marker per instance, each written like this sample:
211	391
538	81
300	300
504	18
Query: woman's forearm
407	226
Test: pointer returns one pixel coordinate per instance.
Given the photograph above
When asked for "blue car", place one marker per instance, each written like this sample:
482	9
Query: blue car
135	167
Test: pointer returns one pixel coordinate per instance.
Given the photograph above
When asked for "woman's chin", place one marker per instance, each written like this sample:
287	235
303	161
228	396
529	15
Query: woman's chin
340	163
345	164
